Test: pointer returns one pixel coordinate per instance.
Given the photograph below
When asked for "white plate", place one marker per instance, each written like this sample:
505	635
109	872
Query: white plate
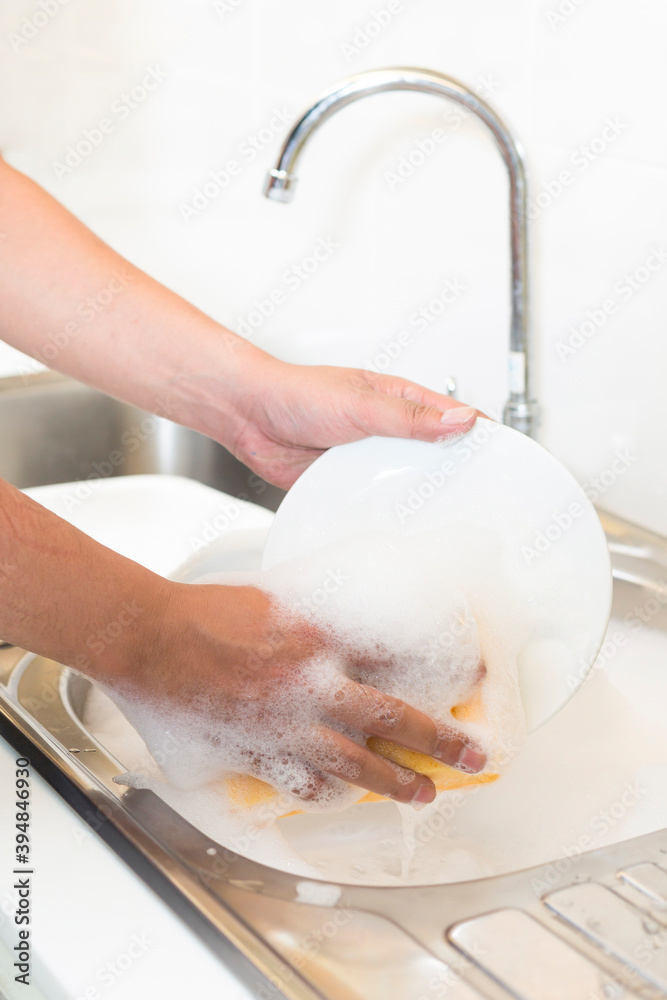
551	540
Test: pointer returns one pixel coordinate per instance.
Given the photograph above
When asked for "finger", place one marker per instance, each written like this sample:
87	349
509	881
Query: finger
397	416
377	714
341	757
393	385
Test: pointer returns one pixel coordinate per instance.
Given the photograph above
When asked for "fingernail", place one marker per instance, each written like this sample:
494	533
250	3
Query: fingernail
423	797
470	760
460	755
458	415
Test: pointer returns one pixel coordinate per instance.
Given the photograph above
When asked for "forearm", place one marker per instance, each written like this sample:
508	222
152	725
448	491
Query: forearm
70	301
221	652
66	596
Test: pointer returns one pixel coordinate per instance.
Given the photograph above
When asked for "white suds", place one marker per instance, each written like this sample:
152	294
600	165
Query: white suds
395	621
412	616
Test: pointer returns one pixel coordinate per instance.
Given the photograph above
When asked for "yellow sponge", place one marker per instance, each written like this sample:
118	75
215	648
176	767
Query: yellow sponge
444	777
246	792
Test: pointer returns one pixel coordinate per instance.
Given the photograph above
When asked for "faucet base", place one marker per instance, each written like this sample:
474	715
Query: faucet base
522	415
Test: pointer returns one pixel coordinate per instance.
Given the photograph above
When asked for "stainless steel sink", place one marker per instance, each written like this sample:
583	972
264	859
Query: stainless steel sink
491	938
599	931
56	430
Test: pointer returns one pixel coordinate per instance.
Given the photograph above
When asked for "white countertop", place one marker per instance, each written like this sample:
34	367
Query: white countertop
98	932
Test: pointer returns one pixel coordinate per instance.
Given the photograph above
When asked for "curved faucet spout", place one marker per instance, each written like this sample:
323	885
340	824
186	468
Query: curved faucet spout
521	411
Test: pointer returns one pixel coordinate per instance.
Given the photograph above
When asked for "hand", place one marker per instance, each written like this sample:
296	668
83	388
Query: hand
258	685
292	413
156	351
219	652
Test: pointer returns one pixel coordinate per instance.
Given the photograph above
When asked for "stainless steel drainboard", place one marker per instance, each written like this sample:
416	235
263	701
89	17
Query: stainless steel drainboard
597	929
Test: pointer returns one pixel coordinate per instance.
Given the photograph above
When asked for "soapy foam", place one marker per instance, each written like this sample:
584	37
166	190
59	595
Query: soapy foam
396	617
421	606
411	616
591	777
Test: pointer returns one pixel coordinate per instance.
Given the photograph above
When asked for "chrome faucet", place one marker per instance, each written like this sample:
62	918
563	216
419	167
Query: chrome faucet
520	411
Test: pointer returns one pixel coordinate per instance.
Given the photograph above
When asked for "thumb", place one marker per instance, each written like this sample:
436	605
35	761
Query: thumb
393	416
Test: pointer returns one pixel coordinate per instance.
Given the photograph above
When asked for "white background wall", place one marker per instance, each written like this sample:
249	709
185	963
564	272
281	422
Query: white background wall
558	70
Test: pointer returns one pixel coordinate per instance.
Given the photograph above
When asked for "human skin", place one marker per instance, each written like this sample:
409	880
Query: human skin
147	346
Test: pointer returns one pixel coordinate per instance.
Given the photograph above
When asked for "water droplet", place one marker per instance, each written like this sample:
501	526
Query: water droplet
211	850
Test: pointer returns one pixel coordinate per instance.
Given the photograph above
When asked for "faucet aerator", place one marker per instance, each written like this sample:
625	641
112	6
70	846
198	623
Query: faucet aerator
279	186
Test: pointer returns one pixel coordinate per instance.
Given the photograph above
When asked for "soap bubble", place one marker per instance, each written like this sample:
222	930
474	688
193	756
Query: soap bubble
398	614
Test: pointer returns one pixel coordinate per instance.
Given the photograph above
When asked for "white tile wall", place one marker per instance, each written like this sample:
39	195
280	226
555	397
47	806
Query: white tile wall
558	70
